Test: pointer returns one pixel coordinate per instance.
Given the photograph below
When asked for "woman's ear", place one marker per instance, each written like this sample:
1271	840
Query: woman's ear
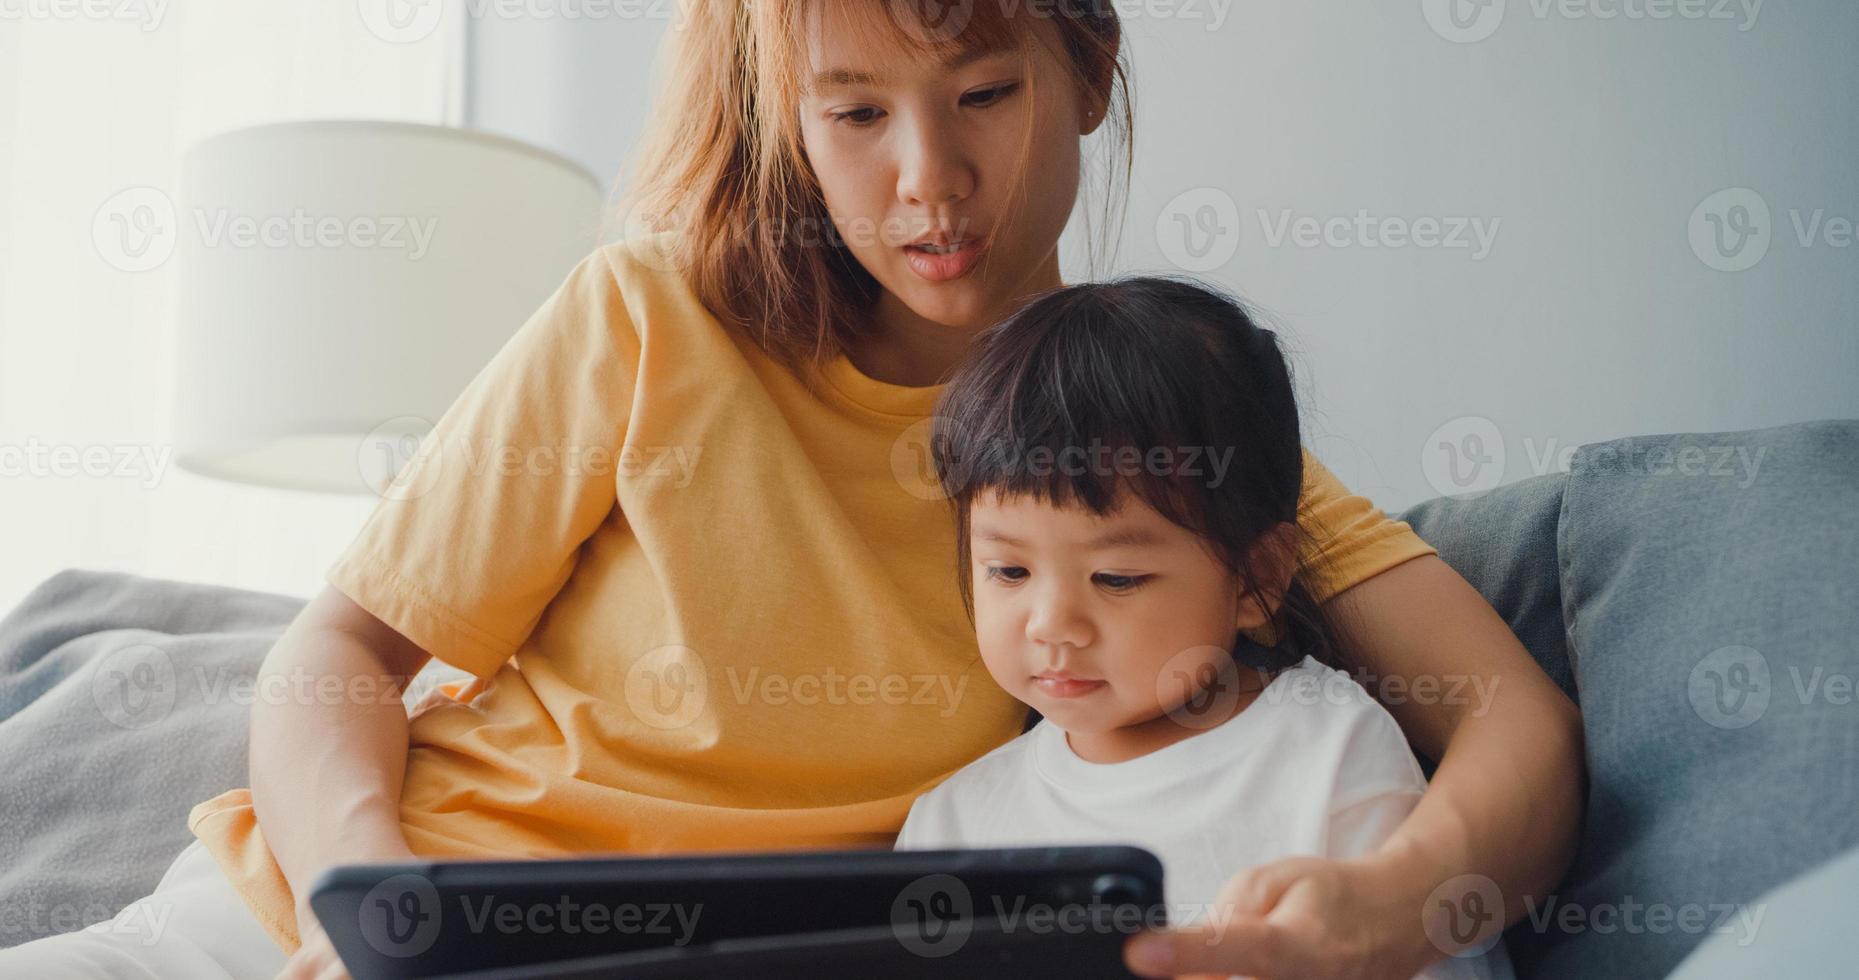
1272	562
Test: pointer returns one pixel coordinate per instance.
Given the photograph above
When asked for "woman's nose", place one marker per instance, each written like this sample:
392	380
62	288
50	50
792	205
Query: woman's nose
934	168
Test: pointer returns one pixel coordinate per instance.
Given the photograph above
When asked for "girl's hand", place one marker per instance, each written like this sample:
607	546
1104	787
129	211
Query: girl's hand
1304	918
316	959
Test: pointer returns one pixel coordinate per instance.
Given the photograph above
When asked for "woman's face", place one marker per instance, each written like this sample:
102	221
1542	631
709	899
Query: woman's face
906	151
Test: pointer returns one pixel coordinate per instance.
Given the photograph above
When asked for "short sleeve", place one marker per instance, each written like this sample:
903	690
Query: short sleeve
480	529
1348	540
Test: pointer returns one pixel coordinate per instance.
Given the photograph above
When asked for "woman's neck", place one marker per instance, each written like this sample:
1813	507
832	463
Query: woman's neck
907	349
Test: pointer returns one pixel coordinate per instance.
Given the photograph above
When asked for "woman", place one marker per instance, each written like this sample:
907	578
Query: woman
689	490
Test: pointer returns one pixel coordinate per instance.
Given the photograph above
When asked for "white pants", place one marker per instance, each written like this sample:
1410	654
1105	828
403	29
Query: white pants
194	925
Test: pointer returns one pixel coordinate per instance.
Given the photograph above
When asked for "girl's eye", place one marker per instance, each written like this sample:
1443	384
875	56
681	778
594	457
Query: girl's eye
1007	574
866	115
1120	583
990	96
855	117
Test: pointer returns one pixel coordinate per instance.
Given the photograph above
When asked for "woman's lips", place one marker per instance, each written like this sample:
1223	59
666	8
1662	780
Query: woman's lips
1066	687
943	267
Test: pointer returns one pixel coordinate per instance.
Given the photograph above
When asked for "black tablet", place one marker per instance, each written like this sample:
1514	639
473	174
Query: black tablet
976	914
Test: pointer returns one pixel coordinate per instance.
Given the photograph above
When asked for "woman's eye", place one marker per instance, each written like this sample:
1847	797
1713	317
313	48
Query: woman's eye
990	96
856	117
1120	583
1008	574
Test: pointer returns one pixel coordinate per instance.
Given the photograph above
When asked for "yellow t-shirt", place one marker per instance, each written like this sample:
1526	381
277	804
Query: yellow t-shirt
706	607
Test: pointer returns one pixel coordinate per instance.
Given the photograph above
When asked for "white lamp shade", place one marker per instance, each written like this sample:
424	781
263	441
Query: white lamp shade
341	282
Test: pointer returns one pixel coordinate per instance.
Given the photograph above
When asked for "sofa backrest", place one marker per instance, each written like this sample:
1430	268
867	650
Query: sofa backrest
1699	595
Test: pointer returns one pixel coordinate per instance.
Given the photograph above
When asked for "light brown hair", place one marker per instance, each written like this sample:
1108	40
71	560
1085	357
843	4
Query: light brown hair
722	165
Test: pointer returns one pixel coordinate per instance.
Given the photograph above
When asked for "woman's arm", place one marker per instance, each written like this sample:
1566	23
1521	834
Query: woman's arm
1506	800
329	743
1504	804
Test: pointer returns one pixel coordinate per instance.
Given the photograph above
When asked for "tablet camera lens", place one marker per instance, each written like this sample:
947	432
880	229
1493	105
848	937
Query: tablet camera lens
1117	889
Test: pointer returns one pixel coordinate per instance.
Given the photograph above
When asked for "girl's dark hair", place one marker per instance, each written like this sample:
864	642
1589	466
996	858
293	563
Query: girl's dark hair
1045	403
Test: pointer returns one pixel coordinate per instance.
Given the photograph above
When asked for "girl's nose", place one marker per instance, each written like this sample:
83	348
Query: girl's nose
933	168
1056	621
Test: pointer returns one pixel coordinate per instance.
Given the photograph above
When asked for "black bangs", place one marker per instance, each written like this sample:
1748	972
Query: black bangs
1155	388
1092	392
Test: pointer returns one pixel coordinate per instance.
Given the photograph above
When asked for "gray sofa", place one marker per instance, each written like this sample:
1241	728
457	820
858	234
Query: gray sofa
1698	594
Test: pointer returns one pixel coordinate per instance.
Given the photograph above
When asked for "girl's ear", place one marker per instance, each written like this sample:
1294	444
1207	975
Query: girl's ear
1272	562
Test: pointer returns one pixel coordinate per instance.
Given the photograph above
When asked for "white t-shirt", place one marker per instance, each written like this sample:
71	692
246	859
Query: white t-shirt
1313	767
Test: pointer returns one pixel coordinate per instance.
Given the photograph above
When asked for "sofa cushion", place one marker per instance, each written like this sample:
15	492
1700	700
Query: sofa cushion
1710	583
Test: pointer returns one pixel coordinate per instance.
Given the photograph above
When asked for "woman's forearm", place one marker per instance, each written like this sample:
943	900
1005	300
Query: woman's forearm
328	751
1506	799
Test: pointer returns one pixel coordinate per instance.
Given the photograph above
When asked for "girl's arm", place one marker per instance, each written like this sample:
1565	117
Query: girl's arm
1504	804
329	742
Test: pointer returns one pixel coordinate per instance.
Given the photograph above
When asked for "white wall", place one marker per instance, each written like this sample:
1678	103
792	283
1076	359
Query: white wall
89	108
1588	142
1582	145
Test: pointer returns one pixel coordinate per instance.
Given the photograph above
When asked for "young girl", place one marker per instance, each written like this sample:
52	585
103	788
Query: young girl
849	194
1125	467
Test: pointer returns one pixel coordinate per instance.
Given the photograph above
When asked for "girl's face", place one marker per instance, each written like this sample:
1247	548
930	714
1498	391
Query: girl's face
906	150
1113	628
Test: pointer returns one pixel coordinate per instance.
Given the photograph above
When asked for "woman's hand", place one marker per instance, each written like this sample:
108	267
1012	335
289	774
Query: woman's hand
316	959
1309	918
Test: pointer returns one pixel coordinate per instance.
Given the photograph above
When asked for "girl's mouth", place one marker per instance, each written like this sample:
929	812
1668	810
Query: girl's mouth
943	263
1066	687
